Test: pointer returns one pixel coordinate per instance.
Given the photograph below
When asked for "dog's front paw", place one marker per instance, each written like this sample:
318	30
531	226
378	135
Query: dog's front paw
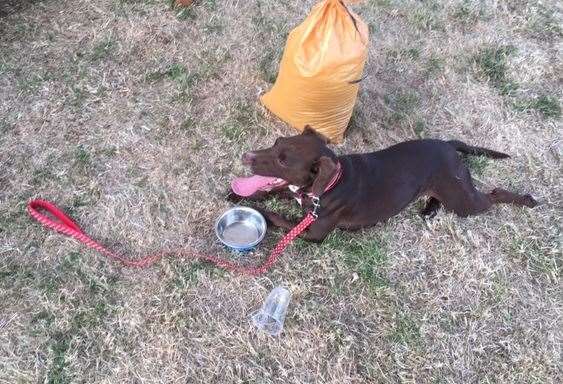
266	214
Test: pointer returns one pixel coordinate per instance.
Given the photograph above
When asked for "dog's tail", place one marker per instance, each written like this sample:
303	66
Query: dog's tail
476	151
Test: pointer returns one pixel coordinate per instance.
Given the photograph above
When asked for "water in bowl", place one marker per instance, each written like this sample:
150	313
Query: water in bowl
241	232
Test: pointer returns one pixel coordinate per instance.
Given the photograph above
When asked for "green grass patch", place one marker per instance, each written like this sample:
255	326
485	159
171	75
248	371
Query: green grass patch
4	68
406	330
544	22
373	28
541	255
239	122
419	128
186	13
206	68
214	27
43	319
183	96
427	17
42	176
83	197
103	49
433	66
499	289
185	275
84	298
31	82
78	96
13	274
403	105
411	53
380	3
468	13
82	157
398	54
357	120
86	307
272	32
548	106
58	369
5	127
176	72
287	208
364	256
268	65
17	26
210	63
266	25
122	7
110	151
188	125
491	63
232	131
210	5
476	164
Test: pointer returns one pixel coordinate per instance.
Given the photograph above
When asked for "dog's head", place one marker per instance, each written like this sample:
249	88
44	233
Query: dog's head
303	160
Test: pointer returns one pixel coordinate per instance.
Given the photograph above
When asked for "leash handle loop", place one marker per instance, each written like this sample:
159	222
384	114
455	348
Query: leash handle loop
63	221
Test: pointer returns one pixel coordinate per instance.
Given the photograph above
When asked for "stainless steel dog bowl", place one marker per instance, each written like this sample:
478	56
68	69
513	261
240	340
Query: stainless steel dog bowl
241	228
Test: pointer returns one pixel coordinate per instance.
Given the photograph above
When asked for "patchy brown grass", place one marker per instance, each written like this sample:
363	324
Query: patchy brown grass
132	116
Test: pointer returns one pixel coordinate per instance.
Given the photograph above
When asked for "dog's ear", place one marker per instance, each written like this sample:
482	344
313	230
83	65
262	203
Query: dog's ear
308	130
324	169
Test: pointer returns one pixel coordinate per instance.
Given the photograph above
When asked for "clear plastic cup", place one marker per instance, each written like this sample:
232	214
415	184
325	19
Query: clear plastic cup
270	318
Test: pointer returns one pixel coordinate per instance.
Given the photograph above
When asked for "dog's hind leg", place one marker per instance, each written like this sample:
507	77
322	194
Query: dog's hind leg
458	194
499	195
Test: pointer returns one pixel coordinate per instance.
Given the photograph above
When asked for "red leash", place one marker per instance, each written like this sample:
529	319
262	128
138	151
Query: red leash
64	224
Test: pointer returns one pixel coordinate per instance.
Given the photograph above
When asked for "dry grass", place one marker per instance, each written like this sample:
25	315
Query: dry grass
133	116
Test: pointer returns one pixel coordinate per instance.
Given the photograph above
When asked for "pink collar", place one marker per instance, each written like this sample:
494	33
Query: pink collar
335	178
332	183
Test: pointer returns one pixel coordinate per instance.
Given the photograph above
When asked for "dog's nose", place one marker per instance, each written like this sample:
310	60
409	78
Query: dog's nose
248	158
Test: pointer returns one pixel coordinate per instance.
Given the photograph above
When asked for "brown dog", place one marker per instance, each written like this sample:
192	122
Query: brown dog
374	186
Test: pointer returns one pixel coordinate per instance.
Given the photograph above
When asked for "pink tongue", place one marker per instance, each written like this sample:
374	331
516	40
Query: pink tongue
246	186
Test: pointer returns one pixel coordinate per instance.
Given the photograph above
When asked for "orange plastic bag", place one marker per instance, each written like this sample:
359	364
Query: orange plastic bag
321	67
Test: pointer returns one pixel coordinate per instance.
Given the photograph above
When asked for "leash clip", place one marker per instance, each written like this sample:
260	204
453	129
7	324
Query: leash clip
316	205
